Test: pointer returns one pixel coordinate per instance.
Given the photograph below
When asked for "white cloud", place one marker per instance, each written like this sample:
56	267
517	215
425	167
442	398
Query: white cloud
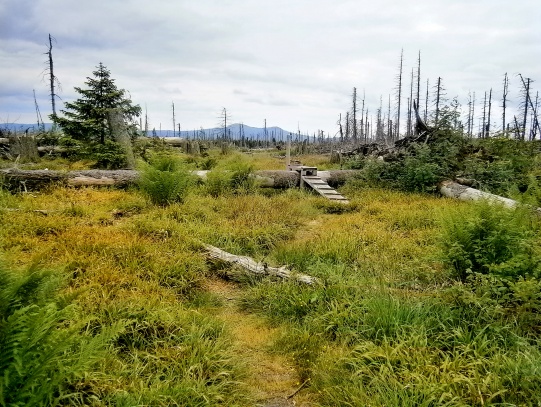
288	62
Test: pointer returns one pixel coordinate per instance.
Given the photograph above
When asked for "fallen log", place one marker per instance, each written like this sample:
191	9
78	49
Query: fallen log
452	189
261	269
26	180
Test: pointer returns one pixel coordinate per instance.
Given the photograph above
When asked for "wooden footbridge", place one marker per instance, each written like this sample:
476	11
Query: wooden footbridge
310	178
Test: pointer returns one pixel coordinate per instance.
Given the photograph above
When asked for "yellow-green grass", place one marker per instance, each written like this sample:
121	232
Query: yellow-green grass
134	262
378	330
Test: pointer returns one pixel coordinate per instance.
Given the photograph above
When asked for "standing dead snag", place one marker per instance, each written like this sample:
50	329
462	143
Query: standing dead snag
261	269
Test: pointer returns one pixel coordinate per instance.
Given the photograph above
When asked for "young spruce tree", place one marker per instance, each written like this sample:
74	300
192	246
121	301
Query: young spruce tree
86	119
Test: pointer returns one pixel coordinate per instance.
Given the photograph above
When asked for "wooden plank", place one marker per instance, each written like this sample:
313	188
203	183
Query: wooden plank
324	189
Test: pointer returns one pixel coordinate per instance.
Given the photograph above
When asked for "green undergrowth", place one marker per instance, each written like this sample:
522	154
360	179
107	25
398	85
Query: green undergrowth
420	301
388	324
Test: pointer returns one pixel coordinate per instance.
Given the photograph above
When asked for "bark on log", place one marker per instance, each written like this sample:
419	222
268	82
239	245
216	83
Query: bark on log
261	269
27	180
455	190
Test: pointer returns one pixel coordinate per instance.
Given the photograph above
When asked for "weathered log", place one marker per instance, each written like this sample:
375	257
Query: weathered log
261	269
452	189
15	179
26	180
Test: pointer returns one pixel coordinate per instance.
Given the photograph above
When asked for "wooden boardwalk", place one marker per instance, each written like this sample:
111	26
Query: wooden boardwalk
323	188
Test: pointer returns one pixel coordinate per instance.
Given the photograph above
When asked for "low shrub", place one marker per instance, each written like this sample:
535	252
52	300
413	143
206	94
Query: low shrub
165	180
237	179
486	238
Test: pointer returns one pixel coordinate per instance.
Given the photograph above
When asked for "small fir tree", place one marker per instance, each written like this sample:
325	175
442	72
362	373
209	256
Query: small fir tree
86	119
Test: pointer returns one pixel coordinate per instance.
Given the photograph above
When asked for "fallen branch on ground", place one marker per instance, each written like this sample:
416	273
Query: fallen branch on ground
249	264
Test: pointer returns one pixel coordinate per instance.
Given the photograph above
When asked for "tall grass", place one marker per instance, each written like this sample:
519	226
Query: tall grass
390	324
42	354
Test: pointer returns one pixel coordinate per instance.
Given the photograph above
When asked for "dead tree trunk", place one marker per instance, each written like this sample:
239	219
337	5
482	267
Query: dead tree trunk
52	77
438	93
504	101
120	134
399	96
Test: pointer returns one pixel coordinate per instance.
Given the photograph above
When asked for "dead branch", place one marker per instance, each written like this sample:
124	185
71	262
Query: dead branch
262	269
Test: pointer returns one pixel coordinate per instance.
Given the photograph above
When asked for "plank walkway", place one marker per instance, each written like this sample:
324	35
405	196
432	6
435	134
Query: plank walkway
323	188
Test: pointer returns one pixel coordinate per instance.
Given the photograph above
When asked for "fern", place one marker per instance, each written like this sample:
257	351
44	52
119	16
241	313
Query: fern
165	181
39	356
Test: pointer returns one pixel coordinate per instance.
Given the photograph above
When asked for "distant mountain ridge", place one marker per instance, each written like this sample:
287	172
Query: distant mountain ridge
234	131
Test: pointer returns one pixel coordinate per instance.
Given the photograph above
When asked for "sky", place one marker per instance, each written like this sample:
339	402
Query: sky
293	63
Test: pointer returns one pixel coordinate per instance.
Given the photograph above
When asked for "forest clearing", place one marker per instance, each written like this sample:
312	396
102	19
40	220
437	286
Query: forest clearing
119	304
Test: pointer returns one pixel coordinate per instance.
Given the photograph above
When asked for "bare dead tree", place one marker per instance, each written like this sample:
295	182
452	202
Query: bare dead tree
146	120
379	121
419	79
483	125
354	114
535	119
528	99
174	122
410	102
340	129
367	125
224	116
389	122
438	94
526	92
41	125
518	131
472	114
426	100
504	99
489	110
265	133
399	95
347	126
469	121
53	80
363	135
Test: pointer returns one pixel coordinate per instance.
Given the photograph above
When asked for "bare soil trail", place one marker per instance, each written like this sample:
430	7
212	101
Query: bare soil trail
271	377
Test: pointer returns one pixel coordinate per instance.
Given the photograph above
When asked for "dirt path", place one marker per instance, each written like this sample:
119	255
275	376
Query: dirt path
271	377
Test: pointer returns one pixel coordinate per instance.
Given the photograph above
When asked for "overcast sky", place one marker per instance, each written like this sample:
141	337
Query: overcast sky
291	62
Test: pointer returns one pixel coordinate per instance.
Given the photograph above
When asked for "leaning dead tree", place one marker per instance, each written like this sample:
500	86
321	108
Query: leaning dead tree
247	264
120	133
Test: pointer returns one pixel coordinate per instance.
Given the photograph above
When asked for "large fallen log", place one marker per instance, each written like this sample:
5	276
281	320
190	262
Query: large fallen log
261	269
27	180
452	189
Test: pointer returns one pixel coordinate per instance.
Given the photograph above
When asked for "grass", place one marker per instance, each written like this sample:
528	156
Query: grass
388	325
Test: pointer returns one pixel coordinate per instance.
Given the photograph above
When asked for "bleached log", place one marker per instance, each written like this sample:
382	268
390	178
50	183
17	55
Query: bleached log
455	190
261	269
